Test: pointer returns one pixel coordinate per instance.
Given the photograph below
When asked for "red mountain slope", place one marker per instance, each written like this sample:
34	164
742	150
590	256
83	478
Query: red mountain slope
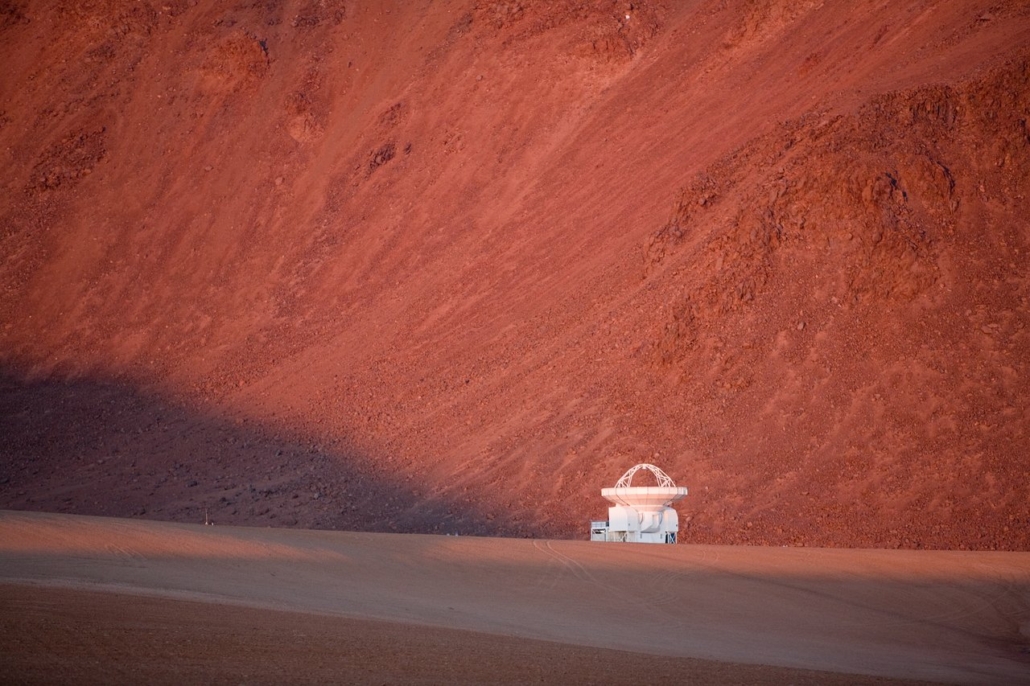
455	266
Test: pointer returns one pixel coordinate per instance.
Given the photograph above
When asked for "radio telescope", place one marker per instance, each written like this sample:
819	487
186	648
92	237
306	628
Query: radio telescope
640	514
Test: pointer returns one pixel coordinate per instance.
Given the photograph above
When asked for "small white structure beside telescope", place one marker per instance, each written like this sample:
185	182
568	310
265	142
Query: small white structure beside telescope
640	514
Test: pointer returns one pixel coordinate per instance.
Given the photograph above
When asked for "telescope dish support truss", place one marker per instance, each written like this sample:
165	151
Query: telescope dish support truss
663	479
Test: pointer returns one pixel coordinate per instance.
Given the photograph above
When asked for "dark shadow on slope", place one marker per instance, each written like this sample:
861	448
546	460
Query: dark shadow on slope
100	447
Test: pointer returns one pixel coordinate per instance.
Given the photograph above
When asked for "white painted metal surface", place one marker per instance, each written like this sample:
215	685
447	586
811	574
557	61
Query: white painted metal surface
640	514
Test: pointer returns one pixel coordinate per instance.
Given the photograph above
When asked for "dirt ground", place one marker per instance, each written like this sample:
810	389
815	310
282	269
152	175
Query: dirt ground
453	267
57	635
122	599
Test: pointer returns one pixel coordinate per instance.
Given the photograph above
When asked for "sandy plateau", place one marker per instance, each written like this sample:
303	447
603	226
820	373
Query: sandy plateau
88	599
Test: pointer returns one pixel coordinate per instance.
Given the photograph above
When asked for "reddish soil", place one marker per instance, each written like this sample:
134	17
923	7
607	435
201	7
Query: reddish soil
455	266
103	599
81	637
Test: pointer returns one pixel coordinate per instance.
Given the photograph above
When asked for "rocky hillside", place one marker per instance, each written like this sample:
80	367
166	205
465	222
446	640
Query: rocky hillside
454	266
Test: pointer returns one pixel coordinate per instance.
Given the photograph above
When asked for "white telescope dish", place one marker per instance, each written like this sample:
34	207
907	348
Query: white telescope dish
640	514
646	498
